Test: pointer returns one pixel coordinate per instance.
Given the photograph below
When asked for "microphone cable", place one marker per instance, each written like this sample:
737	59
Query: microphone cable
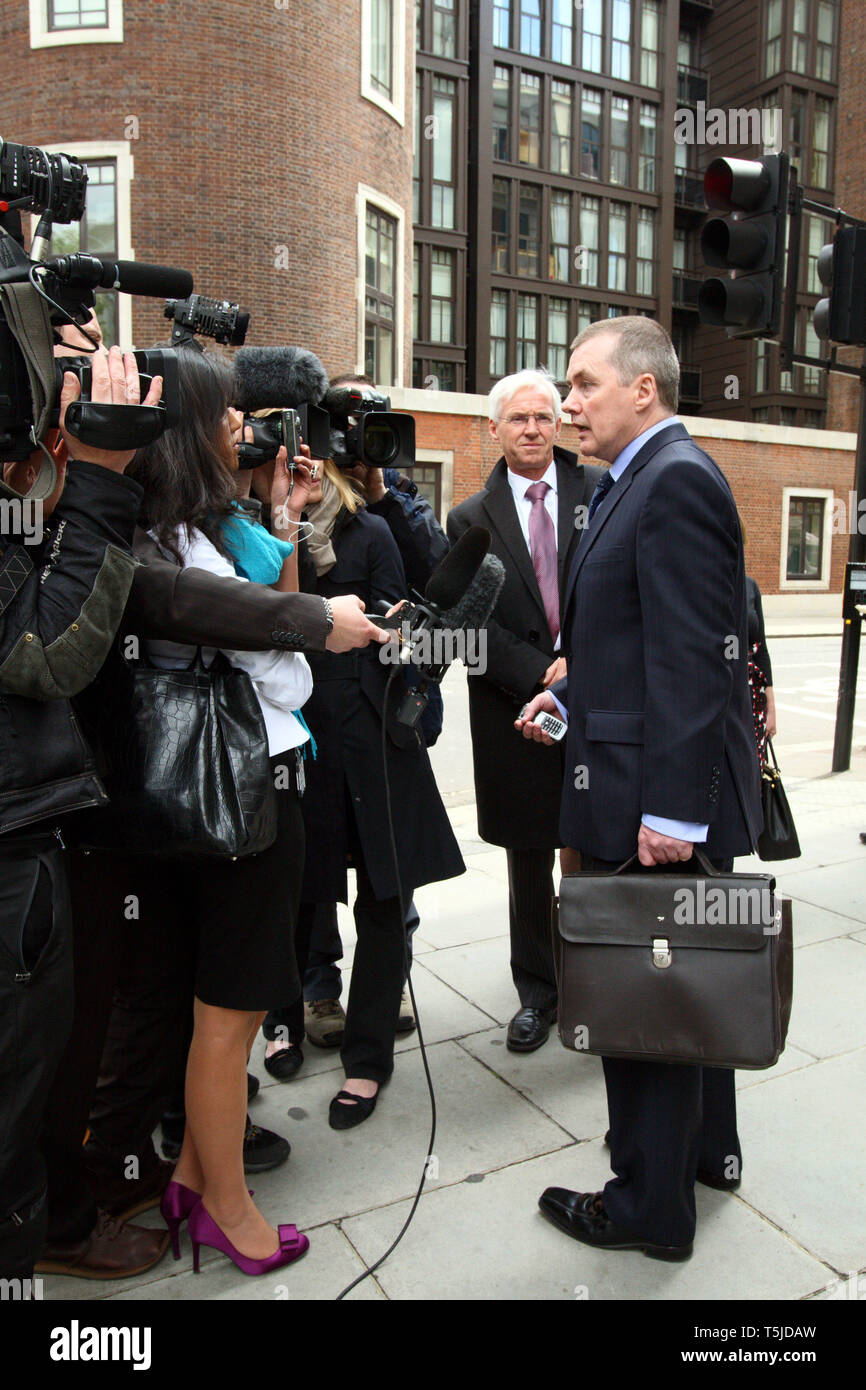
430	1089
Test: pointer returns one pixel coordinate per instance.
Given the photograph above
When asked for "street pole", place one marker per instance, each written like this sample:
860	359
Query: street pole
853	623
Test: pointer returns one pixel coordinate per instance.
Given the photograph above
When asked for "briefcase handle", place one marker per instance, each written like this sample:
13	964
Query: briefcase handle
698	854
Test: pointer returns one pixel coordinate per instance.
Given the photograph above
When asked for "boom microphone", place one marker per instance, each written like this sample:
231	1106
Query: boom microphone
284	377
131	277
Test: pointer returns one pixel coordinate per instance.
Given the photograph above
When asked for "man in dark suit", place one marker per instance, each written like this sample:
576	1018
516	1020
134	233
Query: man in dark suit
535	536
659	726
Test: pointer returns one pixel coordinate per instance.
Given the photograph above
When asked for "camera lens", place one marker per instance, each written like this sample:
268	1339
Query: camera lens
381	444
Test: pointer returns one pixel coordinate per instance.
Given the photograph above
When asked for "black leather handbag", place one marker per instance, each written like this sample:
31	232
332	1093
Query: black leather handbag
184	758
778	839
674	967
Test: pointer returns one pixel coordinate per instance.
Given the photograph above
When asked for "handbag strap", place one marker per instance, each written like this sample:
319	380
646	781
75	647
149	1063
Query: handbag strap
772	753
702	859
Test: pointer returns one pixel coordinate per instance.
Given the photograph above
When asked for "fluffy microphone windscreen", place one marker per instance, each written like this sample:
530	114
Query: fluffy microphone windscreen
479	601
282	377
450	580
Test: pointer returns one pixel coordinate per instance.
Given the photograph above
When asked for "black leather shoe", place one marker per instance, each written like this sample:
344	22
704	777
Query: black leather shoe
582	1215
342	1116
285	1064
262	1148
529	1029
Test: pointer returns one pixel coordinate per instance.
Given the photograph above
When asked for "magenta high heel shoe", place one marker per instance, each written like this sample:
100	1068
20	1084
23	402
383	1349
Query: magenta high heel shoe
203	1230
176	1205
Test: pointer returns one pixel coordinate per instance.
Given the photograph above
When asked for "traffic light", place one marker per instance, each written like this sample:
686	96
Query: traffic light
750	243
841	316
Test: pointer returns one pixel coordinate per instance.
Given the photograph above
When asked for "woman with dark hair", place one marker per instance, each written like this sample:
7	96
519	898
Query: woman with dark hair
234	919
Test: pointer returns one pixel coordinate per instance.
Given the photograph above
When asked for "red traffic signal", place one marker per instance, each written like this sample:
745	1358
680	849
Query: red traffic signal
750	243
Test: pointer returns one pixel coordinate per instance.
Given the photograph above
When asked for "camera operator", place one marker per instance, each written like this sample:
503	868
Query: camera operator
60	605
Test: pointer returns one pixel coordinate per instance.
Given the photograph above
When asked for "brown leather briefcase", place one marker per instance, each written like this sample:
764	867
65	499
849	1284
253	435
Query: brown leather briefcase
673	967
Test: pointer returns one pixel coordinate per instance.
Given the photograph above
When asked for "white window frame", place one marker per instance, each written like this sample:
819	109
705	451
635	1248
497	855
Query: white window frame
396	108
807	586
43	37
445	459
366	195
120	152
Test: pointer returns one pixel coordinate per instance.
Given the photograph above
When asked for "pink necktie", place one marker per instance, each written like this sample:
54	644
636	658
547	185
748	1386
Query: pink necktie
542	547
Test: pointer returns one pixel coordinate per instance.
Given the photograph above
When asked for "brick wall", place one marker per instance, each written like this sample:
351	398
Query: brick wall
252	135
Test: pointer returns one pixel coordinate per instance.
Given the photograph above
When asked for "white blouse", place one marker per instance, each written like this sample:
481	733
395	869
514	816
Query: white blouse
282	680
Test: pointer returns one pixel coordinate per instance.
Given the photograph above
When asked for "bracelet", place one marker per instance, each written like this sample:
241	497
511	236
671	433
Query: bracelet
329	614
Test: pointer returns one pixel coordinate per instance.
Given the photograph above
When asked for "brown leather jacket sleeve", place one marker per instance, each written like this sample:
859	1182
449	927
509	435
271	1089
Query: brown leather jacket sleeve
190	605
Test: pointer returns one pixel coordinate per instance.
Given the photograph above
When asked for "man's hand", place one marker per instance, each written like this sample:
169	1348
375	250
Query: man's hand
555	672
114	382
351	627
654	848
371	479
525	725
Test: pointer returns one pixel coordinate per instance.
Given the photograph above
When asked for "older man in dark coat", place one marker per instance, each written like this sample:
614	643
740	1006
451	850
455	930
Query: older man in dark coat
533	505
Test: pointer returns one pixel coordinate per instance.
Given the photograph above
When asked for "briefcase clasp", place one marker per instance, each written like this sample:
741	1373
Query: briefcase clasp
662	954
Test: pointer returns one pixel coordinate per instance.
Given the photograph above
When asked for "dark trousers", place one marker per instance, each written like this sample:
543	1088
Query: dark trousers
322	977
666	1121
530	892
36	1000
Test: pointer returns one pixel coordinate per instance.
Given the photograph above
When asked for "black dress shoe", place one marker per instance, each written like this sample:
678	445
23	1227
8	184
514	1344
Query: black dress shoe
582	1215
342	1116
285	1064
529	1029
262	1148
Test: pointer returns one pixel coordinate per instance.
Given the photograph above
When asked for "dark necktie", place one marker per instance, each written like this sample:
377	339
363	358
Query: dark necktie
603	487
545	561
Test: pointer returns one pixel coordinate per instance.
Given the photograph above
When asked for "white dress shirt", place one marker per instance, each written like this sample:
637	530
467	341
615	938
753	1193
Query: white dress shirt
523	507
282	680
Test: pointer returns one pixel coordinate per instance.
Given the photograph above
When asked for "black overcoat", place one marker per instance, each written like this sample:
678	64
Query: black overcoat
518	784
344	716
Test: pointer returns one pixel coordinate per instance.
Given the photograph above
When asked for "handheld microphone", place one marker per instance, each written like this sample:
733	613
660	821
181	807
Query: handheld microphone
131	277
284	377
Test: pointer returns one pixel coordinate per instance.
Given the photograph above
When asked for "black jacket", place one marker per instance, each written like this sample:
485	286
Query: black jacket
344	714
518	784
60	605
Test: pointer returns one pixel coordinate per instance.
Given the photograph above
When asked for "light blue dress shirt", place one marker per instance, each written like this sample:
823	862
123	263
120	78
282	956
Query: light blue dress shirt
679	829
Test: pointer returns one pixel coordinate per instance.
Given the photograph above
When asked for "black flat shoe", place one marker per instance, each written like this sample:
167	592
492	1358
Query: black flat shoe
342	1116
582	1216
285	1064
529	1029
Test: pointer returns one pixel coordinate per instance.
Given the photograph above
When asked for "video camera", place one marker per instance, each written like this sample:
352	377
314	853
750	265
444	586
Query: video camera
365	430
308	425
38	293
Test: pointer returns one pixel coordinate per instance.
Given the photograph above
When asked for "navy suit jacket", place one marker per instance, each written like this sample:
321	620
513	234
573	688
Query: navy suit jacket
655	636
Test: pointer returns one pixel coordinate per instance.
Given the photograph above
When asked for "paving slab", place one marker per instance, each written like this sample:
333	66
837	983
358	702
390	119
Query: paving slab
829	989
471	908
488	1241
567	1086
481	973
803	1138
792	1059
813	923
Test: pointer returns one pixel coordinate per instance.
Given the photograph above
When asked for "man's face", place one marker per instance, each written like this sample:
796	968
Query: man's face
603	411
527	431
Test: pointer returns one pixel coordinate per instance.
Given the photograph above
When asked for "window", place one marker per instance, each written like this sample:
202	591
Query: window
680	253
379	299
381	48
798	125
805	538
800	52
530	27
557	338
416	168
788	415
620	119
501	226
821	144
590	133
97	232
773	51
502	24
587	314
419	35
647	157
820	233
77	14
560	127
428	476
826	40
530	118
590	212
442	296
620	53
444	29
762	365
444	97
646	251
592	35
529	230
812	347
649	43
416	292
562	38
560	234
501	112
617	249
498	332
527	331
64	22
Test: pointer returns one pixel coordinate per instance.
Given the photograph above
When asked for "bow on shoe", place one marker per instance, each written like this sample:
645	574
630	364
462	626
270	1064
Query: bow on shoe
290	1239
